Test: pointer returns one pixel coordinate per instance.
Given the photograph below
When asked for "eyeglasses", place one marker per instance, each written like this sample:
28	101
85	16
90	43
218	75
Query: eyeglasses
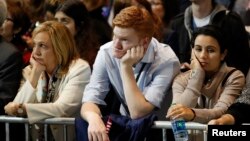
9	19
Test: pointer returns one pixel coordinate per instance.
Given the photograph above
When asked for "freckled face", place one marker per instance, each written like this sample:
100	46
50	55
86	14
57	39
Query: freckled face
123	40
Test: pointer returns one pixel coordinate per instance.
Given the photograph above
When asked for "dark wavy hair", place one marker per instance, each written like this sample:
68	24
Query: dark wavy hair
85	39
213	31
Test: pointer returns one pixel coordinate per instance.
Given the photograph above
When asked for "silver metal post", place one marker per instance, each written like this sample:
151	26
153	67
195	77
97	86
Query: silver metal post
7	131
164	134
65	132
46	132
26	131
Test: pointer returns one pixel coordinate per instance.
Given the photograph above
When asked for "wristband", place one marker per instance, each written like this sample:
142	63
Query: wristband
194	115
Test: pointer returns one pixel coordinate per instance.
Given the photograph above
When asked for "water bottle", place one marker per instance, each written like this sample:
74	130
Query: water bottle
179	129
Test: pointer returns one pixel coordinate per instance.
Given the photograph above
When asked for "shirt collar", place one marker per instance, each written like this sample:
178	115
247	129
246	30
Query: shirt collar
149	55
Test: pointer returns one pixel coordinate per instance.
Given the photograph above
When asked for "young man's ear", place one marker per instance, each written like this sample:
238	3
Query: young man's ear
145	42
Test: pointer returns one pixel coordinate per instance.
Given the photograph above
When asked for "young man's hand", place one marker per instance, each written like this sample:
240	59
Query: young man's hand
97	129
133	55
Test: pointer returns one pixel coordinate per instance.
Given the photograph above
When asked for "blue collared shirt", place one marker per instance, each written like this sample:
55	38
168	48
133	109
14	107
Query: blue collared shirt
161	67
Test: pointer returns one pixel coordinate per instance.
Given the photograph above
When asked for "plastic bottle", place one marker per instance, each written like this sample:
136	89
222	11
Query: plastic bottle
179	129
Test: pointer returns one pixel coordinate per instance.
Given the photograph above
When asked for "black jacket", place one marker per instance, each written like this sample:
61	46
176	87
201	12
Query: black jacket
10	73
241	107
234	31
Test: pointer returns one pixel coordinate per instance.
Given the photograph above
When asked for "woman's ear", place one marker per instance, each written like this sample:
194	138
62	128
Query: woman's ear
223	55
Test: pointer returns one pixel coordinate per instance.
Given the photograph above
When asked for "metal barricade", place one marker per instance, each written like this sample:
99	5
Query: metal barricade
70	121
189	125
55	121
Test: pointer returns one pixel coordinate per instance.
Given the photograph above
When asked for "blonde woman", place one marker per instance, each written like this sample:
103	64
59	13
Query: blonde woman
55	80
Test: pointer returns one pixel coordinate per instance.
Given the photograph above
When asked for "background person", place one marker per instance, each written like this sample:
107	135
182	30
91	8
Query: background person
16	25
10	71
101	27
74	15
208	12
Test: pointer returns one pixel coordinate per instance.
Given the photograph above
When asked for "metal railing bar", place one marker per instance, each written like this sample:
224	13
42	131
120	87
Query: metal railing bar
7	131
189	125
26	131
65	132
71	121
205	135
164	135
10	119
63	120
45	132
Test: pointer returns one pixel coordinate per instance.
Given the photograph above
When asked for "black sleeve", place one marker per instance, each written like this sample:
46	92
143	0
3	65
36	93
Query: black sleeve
10	77
236	40
240	112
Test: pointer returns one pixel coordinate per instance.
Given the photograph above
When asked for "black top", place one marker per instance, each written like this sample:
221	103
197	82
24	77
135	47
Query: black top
10	73
241	108
234	31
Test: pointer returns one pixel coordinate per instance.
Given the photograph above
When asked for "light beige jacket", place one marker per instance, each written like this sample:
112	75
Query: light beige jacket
188	90
66	101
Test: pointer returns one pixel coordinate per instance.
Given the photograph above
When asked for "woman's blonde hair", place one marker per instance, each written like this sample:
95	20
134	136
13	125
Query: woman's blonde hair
62	43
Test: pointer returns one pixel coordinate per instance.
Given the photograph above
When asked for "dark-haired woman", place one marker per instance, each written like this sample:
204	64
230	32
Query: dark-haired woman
75	16
207	90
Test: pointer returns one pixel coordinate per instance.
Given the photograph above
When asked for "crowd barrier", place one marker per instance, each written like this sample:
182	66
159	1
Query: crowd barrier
70	121
191	126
